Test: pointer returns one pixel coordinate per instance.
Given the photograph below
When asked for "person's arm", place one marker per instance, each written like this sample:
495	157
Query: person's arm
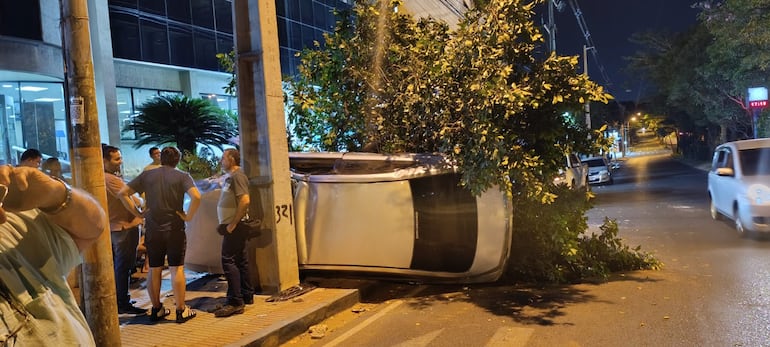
243	205
125	195
74	210
195	201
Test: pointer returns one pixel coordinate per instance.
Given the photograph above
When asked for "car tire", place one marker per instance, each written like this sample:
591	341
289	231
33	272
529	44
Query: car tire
715	215
742	232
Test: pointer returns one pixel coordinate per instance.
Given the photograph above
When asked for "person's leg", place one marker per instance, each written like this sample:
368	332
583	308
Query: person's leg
155	244
242	262
232	272
179	285
177	244
153	285
124	257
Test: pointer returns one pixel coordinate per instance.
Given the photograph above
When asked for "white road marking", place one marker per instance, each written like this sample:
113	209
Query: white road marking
420	341
340	339
510	337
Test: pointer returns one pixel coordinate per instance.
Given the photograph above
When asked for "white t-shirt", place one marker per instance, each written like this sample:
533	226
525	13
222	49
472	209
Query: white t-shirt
35	258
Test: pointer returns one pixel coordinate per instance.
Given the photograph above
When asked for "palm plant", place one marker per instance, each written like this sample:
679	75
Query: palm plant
183	121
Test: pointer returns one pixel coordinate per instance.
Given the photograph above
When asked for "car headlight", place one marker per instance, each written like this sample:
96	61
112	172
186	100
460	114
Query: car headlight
758	194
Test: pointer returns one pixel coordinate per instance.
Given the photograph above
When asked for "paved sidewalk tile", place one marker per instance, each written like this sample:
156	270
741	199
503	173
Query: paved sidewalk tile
262	324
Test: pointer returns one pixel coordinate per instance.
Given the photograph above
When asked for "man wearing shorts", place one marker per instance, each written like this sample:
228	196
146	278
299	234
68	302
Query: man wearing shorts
164	189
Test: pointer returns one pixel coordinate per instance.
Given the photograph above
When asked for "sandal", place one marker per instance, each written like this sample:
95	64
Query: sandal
185	314
157	314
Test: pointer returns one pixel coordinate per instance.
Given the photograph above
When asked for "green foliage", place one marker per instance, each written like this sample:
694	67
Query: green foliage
549	243
227	62
605	252
183	121
202	165
703	74
476	94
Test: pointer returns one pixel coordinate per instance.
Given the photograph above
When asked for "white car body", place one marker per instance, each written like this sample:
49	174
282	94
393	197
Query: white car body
599	170
400	215
739	184
574	174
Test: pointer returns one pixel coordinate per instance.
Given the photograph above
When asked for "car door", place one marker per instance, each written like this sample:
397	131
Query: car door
722	186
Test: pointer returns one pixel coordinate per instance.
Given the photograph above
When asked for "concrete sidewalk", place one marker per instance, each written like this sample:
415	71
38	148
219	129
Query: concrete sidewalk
262	324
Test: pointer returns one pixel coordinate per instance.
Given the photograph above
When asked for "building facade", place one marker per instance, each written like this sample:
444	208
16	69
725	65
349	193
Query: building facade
141	49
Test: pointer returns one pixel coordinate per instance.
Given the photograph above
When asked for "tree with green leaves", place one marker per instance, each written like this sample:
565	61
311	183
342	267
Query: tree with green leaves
185	122
483	96
703	74
477	94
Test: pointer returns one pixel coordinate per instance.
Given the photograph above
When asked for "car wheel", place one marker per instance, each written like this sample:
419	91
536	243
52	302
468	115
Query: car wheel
739	225
715	215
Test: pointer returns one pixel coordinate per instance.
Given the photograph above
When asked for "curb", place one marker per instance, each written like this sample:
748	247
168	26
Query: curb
286	329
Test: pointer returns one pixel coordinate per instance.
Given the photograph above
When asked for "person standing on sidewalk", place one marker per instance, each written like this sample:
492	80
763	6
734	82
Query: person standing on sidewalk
232	207
31	158
124	229
165	220
155	156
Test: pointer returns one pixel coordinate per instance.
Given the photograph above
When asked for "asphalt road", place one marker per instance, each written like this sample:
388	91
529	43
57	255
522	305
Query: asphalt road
713	290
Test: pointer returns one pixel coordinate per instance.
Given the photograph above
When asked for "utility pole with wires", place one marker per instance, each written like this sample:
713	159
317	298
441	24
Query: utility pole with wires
550	27
97	283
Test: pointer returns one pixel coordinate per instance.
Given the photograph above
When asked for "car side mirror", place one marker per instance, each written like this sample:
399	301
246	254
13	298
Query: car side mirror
725	171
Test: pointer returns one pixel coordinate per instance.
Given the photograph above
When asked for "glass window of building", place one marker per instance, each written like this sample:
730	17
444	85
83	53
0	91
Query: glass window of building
154	41
225	102
125	36
180	11
205	50
129	101
202	13
182	48
32	115
223	11
154	6
21	19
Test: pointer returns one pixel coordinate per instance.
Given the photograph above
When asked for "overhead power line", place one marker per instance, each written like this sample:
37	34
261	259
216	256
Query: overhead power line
589	41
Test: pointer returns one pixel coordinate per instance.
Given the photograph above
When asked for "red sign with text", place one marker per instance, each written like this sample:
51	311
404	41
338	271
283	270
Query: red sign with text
758	104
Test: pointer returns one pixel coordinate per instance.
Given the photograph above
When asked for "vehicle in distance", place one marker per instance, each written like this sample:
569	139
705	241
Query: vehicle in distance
598	170
397	215
739	184
574	174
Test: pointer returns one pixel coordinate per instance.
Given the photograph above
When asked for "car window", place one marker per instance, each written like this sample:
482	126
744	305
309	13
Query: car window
755	161
574	161
723	158
596	162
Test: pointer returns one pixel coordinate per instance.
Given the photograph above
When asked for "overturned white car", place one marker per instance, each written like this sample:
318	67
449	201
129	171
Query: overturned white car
404	215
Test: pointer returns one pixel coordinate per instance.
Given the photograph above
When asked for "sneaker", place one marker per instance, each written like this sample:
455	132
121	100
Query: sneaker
248	299
131	309
228	310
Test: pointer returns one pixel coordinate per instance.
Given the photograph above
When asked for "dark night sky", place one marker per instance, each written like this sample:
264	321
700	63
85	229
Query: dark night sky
611	24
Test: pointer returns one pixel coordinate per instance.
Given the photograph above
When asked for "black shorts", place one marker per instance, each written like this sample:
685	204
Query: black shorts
165	238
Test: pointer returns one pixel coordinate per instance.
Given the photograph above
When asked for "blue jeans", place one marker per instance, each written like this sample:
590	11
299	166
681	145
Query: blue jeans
236	265
124	260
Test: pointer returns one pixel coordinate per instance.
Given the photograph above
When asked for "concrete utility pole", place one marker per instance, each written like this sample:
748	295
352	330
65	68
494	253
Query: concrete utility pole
97	281
264	148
